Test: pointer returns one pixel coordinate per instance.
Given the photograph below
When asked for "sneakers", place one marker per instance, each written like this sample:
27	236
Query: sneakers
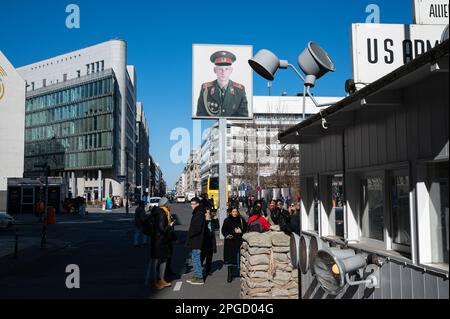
196	281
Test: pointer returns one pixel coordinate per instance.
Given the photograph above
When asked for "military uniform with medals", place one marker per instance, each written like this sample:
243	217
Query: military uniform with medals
230	101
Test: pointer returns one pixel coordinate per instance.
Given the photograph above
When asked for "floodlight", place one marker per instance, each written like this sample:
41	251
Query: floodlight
315	244
315	63
333	268
294	250
266	64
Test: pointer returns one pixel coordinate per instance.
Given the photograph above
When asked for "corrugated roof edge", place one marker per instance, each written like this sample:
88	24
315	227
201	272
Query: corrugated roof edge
431	56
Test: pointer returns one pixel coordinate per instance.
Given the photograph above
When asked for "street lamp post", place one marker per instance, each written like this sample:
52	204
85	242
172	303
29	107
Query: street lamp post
142	181
127	185
46	170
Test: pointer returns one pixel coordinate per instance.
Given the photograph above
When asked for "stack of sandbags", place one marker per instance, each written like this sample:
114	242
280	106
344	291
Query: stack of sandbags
266	270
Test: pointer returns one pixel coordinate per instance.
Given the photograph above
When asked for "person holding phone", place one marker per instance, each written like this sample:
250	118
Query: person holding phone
233	229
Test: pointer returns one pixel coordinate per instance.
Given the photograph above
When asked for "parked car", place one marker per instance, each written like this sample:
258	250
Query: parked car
153	201
6	221
181	199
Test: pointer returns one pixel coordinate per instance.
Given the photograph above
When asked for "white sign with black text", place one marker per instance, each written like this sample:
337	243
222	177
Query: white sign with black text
378	49
431	11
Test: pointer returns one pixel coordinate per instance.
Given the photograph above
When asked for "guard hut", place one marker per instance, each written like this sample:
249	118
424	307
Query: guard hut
25	193
374	188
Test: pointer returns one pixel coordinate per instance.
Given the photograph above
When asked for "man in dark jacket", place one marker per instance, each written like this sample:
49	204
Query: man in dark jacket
196	237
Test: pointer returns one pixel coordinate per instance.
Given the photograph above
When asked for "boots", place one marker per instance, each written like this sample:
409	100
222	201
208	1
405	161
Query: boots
230	274
164	283
156	285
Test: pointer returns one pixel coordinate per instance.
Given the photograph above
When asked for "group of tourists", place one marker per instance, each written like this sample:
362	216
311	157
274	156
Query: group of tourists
158	225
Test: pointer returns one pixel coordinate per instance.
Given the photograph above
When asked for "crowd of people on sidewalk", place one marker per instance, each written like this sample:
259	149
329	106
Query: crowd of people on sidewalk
157	224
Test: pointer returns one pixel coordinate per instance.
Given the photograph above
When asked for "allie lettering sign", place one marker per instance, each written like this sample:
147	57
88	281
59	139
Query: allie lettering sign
379	49
431	11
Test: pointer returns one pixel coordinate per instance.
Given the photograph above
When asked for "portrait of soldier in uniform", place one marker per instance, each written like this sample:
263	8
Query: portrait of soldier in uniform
222	97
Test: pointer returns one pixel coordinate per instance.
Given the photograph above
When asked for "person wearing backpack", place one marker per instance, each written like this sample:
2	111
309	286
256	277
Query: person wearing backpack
256	222
139	216
234	227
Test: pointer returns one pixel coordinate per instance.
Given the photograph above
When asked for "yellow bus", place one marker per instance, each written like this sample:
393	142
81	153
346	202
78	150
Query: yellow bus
210	187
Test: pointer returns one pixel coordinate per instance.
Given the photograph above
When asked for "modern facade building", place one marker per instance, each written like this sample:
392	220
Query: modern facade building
142	152
12	126
383	166
253	147
81	119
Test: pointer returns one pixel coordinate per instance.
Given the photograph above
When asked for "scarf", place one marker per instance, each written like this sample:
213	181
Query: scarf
166	210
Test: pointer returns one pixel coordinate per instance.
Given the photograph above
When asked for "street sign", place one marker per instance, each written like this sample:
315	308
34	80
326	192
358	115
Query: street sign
121	178
431	11
258	188
379	49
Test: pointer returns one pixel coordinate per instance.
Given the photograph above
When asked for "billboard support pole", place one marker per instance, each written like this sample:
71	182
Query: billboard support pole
222	172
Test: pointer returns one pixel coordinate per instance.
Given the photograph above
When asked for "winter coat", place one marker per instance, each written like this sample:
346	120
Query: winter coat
232	246
294	224
160	236
196	234
262	221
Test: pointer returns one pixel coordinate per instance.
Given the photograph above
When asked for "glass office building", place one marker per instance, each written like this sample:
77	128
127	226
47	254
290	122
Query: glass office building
74	125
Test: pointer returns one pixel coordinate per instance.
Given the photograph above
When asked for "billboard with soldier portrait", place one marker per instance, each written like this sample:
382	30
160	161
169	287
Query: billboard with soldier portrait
222	85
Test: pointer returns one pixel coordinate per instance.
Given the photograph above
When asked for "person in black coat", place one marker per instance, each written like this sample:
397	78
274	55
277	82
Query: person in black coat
196	237
160	241
233	229
209	244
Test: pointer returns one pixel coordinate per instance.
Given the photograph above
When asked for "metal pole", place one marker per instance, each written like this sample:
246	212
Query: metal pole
304	102
259	184
127	186
44	226
142	181
222	172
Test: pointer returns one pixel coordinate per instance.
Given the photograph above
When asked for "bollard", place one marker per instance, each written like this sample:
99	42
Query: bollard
16	245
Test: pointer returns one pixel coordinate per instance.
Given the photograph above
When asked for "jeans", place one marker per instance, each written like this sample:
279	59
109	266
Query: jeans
197	263
139	237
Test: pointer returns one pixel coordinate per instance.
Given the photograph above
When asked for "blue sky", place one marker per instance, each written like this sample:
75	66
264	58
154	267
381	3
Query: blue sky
160	35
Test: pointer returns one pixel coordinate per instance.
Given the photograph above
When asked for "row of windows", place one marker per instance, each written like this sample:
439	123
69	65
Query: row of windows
98	123
71	144
69	112
70	95
382	209
89	159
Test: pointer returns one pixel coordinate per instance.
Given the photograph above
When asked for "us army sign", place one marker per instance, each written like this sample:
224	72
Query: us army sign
378	49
